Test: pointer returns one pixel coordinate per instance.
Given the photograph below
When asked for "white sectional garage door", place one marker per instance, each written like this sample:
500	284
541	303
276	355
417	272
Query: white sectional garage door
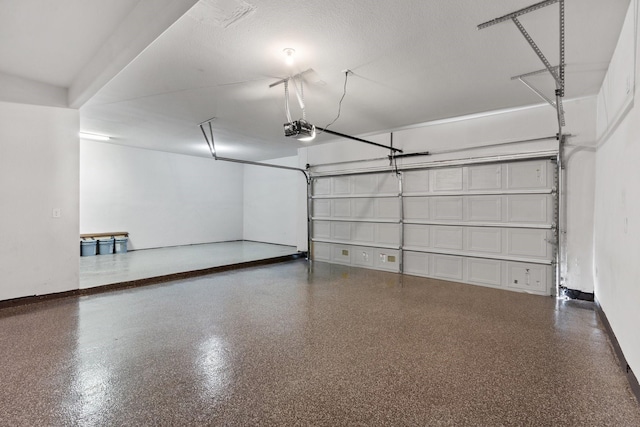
486	224
356	220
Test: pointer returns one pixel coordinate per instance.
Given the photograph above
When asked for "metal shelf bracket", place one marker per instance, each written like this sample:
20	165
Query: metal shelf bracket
557	72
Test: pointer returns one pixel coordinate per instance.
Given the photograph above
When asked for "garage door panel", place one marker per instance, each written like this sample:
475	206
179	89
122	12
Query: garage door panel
446	208
484	271
415	182
447	180
447	237
484	240
416	208
364	184
363	208
322	208
362	256
321	251
385	259
341	254
387	184
321	186
416	235
527	175
447	267
485	177
416	263
387	234
341	185
387	208
321	230
341	231
530	243
363	232
341	208
529	209
484	208
528	277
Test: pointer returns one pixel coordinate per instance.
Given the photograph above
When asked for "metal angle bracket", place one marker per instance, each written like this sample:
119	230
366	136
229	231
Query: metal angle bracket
558	102
538	52
556	72
534	73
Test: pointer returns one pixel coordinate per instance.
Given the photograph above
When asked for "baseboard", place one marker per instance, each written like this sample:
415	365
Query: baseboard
144	282
633	380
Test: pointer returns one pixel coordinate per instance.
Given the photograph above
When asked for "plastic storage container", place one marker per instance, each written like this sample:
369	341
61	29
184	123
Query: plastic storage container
88	247
121	245
105	246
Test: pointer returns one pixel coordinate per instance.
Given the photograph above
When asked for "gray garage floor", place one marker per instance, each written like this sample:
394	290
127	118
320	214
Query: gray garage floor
102	270
300	344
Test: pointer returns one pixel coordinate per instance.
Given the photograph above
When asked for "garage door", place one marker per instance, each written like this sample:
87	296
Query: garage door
485	224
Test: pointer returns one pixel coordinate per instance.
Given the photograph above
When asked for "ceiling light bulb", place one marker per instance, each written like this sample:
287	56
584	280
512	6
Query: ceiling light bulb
311	137
288	55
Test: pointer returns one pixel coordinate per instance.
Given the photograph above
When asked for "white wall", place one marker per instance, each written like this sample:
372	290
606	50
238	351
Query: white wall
38	173
494	128
617	204
270	202
161	199
469	131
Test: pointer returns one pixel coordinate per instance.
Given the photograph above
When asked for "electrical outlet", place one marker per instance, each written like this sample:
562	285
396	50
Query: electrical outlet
56	213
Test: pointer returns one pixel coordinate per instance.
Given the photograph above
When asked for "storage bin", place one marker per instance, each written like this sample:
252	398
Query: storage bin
105	246
121	245
88	247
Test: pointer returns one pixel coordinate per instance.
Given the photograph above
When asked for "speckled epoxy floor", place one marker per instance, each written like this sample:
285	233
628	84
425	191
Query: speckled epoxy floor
329	345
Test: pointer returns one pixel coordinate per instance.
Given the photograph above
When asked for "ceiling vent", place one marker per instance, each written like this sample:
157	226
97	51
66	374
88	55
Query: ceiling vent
223	13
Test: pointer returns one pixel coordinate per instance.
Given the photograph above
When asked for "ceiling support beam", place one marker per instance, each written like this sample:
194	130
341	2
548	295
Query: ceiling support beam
557	72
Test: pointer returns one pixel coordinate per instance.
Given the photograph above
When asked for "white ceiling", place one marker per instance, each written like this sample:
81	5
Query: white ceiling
51	41
412	60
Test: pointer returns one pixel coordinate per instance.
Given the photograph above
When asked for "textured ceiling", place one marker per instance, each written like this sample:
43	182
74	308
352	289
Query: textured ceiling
412	60
50	41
